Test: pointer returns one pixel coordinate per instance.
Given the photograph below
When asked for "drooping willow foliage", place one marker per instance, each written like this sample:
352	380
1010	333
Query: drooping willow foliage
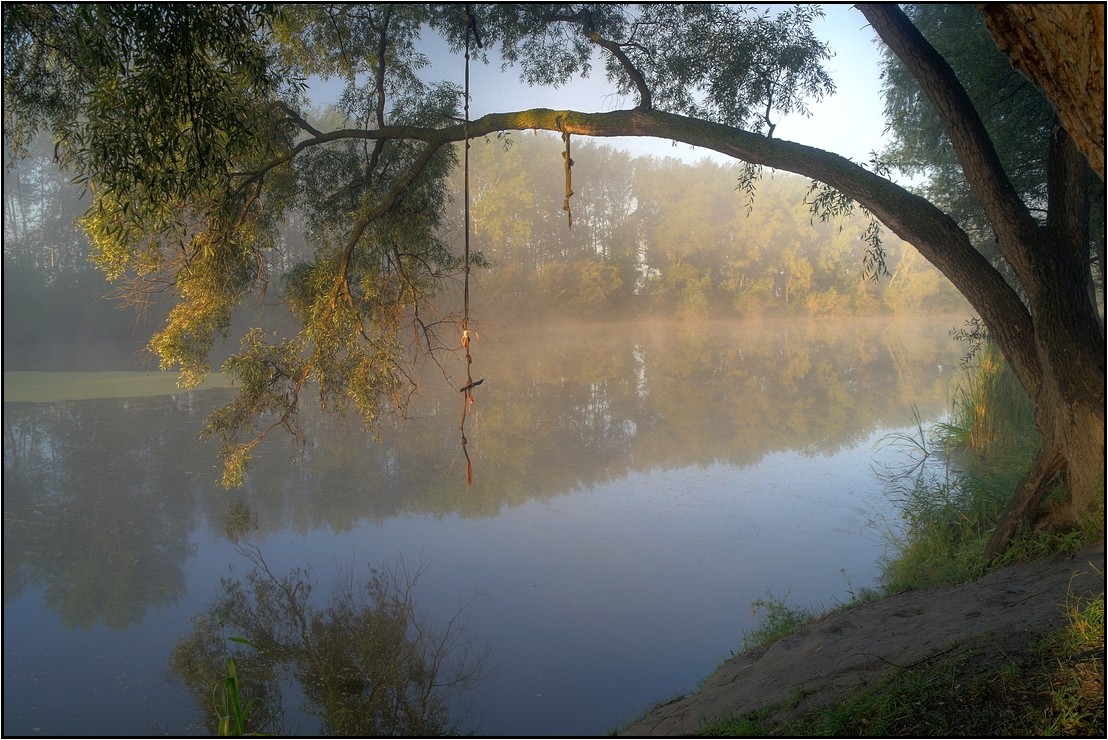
191	128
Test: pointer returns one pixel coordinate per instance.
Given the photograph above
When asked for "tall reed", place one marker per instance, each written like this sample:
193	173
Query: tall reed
992	414
974	460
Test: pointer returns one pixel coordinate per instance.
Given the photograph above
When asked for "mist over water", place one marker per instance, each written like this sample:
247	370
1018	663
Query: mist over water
636	487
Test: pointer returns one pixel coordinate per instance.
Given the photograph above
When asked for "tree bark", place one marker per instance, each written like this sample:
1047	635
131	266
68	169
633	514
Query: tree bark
1060	48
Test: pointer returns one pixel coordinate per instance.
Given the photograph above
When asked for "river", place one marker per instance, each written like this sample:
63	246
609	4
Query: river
635	489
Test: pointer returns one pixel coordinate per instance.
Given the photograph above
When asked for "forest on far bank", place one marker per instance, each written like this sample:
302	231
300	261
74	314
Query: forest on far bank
661	237
650	236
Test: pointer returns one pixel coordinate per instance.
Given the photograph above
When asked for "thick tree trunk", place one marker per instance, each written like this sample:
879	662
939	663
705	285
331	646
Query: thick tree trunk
1072	452
1069	394
1083	450
1060	48
1060	357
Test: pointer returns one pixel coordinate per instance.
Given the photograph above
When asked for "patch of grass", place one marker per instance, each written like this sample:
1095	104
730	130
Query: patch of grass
1075	683
992	414
945	527
777	620
1044	544
753	724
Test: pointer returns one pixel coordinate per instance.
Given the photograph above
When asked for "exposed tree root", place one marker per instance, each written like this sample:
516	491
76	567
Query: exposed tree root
1023	508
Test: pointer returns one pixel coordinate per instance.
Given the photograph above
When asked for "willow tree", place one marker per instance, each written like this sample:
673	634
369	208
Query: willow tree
190	126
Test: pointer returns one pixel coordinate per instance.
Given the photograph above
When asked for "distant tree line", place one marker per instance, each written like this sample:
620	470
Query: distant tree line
661	236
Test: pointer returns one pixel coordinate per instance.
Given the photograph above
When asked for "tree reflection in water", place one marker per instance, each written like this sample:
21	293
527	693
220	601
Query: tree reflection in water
368	664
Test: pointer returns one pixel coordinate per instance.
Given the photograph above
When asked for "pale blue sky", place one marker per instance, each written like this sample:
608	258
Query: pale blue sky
852	121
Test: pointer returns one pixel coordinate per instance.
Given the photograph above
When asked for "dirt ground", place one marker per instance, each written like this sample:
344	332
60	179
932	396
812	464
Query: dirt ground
827	660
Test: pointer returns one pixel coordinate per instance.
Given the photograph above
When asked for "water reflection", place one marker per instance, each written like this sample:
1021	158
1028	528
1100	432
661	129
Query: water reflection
367	664
97	507
100	496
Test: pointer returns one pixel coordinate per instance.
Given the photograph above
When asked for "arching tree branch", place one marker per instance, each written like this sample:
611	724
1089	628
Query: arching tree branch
911	217
980	164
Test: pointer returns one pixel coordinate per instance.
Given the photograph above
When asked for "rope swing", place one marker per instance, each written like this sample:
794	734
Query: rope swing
569	175
467	389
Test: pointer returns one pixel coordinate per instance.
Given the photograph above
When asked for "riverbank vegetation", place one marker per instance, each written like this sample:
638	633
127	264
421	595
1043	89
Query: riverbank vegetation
951	495
965	469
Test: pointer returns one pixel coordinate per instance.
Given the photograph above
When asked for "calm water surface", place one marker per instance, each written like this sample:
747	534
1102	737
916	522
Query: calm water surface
636	488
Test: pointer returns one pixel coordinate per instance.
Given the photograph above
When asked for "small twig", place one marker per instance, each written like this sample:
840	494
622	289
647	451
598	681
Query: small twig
910	665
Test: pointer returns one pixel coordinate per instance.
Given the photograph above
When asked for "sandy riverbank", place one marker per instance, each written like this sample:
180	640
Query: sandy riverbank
827	660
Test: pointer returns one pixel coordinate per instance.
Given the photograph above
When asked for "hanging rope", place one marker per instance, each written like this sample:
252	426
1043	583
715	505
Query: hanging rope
467	389
569	176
